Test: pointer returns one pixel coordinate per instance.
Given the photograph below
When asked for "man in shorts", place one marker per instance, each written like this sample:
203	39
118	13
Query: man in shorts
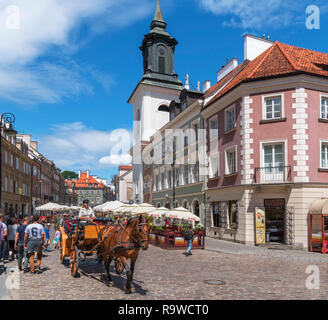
33	242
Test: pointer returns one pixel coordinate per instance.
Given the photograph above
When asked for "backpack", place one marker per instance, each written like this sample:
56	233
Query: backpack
1	231
188	235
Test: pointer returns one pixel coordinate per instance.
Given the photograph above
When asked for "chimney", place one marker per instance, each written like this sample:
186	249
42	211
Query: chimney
206	85
231	65
79	174
88	174
254	46
34	145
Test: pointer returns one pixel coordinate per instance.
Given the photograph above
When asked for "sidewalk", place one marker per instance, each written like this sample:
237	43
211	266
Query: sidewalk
4	294
264	252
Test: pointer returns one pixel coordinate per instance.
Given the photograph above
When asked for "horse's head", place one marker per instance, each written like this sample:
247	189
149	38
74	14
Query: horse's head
142	232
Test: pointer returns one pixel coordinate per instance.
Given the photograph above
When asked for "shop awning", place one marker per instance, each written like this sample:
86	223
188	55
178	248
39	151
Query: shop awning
319	207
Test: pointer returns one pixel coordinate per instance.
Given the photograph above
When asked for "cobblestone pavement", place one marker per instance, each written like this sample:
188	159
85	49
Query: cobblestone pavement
162	274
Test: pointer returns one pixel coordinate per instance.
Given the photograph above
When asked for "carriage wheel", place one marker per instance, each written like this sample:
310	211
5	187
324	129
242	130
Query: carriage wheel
74	262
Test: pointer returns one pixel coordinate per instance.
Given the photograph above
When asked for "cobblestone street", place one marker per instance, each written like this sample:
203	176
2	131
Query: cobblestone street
162	274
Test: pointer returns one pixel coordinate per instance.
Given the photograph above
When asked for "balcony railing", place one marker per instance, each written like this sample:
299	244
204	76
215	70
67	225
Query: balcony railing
268	175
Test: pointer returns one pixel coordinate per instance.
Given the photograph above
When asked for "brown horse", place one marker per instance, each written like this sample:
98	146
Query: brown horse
123	243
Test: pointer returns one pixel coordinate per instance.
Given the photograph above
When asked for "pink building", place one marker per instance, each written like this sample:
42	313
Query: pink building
267	142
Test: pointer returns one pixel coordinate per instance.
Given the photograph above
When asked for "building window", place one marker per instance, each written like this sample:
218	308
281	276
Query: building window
324	107
231	161
216	214
161	64
6	157
177	176
195	128
233	214
273	108
214	127
169	179
186	174
274	157
163	181
214	166
230	118
6	184
195	172
324	155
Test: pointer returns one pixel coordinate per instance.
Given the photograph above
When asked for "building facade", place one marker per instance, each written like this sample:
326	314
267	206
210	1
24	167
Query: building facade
267	148
178	172
16	181
90	188
123	184
153	94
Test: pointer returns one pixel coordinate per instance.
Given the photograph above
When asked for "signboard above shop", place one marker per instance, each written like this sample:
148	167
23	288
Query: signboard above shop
274	203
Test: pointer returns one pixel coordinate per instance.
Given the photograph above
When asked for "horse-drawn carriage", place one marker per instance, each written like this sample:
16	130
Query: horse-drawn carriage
79	240
110	242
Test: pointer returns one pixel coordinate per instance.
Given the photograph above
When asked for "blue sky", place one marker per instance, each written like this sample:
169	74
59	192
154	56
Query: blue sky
69	68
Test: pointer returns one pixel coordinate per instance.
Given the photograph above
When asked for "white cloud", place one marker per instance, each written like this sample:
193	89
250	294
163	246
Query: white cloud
50	28
258	14
115	160
74	146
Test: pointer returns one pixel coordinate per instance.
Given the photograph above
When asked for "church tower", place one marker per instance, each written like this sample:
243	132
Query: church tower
151	98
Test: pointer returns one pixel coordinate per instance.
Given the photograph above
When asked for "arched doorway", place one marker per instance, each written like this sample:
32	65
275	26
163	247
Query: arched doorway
168	206
196	208
185	204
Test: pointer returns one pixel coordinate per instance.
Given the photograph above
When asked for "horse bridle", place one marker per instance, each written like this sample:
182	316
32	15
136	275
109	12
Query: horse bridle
134	240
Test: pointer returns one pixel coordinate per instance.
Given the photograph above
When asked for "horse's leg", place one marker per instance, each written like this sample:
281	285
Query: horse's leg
107	261
133	262
128	275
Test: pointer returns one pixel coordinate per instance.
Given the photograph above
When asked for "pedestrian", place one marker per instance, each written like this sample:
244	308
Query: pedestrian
12	228
3	247
19	245
33	241
47	232
189	236
57	241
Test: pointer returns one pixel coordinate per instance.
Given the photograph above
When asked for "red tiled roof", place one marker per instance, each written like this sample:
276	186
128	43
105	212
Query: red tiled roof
279	60
84	182
125	168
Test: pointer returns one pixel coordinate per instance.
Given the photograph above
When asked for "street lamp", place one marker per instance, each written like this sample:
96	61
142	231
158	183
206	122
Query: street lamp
6	126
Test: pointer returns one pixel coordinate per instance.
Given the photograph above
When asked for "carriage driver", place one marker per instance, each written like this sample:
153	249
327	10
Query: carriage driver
86	213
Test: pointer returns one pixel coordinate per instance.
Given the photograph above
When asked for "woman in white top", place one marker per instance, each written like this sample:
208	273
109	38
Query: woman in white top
12	228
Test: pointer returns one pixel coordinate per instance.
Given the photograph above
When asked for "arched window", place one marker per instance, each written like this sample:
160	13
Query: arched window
138	115
196	208
158	205
164	108
185	204
176	204
168	206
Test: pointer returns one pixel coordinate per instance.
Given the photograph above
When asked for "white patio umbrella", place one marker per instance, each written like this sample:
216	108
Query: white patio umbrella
112	205
158	212
117	212
143	208
182	213
50	206
128	209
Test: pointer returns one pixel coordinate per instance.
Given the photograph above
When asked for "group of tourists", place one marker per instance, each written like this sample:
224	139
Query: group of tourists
24	240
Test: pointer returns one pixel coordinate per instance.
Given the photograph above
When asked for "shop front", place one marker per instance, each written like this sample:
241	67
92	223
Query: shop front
275	220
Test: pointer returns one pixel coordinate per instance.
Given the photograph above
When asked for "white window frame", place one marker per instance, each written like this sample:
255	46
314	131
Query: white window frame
226	170
211	131
282	105
321	143
323	96
211	157
271	142
229	109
